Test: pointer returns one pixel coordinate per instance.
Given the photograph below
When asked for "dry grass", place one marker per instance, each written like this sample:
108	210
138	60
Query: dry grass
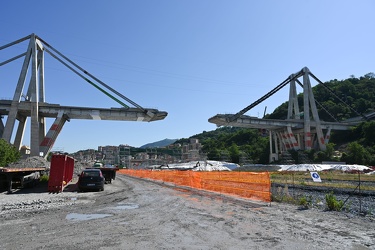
330	179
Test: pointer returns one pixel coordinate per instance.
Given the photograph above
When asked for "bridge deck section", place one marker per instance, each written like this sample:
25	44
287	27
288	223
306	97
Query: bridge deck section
114	114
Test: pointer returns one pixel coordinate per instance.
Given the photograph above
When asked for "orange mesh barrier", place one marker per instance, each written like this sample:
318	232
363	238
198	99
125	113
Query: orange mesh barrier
251	185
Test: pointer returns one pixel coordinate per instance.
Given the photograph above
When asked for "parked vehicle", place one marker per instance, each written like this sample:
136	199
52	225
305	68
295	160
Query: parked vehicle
108	171
91	179
19	177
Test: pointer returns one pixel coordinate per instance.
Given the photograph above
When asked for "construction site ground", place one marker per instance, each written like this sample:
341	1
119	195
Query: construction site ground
138	214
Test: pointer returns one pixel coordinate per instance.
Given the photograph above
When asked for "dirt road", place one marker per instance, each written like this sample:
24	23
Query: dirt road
136	214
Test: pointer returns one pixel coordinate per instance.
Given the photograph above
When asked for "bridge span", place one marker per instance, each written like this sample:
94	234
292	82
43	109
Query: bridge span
29	101
273	124
49	110
302	129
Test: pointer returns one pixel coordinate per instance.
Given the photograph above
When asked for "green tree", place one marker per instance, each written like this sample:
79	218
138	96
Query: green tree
330	149
368	130
356	154
8	153
234	153
214	154
370	75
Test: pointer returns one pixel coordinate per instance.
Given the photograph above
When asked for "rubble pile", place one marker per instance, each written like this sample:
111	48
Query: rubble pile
31	162
40	162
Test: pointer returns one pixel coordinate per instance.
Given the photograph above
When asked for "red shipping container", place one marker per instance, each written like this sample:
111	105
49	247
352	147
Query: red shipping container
61	173
69	169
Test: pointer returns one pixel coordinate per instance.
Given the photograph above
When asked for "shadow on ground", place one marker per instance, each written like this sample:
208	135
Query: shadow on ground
41	187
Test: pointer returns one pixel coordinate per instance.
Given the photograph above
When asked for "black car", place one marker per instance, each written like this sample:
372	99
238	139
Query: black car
91	179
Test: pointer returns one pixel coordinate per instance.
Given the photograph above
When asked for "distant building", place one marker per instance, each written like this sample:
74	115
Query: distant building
110	154
191	151
121	155
124	156
88	155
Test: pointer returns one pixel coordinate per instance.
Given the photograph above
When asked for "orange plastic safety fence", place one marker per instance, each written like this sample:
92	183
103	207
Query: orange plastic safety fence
251	185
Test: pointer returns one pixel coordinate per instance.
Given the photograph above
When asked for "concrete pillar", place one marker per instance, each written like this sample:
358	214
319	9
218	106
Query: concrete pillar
34	102
48	141
315	115
293	108
40	58
292	139
306	110
274	156
328	135
22	120
11	120
1	127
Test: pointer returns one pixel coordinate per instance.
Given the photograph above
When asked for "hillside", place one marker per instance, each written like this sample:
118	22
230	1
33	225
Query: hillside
159	144
348	98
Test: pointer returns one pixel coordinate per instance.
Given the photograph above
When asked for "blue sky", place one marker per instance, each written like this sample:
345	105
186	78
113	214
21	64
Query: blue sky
193	59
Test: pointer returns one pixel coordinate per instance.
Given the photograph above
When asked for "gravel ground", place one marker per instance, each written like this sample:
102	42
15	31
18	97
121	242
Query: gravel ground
137	214
363	205
355	203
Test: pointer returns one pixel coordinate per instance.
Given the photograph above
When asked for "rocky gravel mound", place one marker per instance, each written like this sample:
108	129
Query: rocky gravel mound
31	162
40	162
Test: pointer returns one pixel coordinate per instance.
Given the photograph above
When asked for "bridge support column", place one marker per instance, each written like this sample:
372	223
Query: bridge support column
34	102
292	139
1	127
283	146
306	110
52	134
11	120
274	147
293	107
35	94
20	131
327	137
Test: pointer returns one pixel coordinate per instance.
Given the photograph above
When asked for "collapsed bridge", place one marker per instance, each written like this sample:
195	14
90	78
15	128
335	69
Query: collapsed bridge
32	104
302	129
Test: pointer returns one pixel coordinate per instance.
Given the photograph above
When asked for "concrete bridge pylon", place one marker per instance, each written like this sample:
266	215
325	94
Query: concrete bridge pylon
34	59
300	130
33	105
